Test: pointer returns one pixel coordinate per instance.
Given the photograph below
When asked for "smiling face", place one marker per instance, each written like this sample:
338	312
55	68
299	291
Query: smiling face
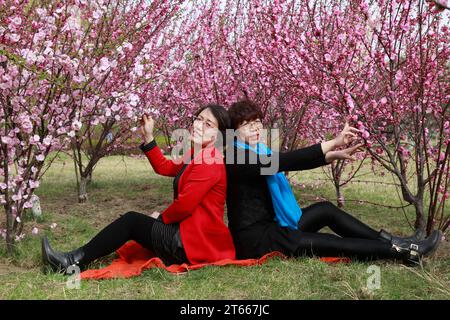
246	118
250	131
204	129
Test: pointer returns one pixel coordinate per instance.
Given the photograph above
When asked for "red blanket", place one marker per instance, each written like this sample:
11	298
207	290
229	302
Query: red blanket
134	259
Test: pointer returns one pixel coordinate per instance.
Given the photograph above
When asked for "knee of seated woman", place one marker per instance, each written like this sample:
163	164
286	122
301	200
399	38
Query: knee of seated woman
326	204
130	215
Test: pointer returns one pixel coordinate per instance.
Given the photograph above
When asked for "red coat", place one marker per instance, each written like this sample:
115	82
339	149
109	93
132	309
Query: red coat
199	207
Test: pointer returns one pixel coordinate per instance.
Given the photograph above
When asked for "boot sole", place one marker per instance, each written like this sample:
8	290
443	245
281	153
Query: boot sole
432	252
45	262
47	265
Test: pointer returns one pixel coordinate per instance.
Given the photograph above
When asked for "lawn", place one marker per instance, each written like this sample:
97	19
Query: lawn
121	184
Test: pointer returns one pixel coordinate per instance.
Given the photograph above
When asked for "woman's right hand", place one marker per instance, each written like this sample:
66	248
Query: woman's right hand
147	126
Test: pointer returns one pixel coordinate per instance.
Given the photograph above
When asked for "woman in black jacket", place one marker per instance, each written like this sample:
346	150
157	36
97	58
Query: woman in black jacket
251	213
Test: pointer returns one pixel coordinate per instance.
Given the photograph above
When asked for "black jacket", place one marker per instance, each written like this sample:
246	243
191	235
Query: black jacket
249	203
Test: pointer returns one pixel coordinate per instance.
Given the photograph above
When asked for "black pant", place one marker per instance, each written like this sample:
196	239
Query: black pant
130	226
354	238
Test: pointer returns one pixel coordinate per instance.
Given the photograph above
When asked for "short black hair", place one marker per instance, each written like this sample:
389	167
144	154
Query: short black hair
244	110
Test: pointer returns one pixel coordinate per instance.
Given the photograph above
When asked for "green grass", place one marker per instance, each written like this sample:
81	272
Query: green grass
121	184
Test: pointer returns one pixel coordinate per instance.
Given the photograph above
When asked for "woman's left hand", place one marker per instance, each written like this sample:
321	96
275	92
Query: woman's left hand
346	154
347	136
155	214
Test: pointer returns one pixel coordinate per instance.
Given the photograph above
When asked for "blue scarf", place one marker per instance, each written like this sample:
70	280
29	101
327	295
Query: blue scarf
287	211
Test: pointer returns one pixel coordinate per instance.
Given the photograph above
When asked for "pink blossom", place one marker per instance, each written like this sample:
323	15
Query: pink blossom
35	231
104	64
139	69
76	125
350	103
133	99
72	24
33	184
25	123
40	157
97	14
404	27
6	140
115	108
128	46
14	37
48	140
29	55
17	21
28	205
79	78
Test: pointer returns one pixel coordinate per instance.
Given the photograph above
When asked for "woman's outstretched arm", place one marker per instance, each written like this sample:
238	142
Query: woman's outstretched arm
246	163
307	158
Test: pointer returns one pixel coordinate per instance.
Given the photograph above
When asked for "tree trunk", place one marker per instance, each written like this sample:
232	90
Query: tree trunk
82	190
340	197
419	224
9	231
89	178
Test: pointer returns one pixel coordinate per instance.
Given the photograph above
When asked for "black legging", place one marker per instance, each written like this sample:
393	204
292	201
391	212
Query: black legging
130	226
355	239
325	214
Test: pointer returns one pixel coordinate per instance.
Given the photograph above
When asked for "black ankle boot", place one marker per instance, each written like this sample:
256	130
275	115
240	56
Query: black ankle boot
60	261
410	250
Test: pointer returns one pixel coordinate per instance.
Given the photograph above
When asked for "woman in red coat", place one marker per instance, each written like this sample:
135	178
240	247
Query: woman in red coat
191	229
